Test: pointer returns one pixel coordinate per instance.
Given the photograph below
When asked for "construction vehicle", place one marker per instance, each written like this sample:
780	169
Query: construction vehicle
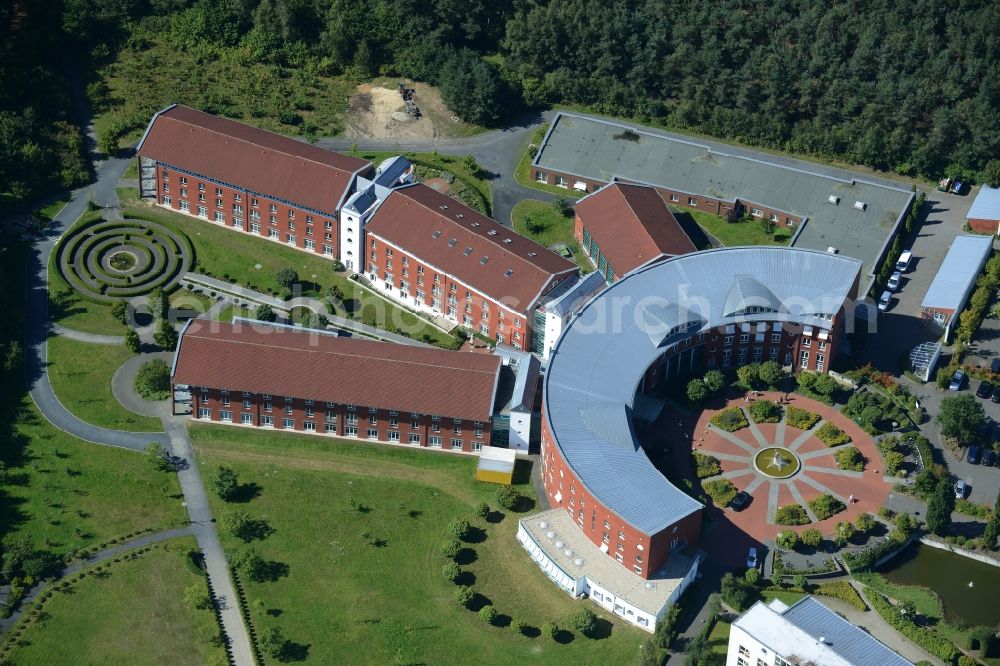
951	185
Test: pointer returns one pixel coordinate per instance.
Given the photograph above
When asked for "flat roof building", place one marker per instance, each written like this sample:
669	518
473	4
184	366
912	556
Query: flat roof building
984	213
857	217
623	226
955	279
807	632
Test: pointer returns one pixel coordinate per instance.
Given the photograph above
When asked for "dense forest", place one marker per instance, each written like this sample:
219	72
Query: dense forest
911	86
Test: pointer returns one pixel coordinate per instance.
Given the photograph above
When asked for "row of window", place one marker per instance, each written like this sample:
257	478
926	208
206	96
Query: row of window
237	197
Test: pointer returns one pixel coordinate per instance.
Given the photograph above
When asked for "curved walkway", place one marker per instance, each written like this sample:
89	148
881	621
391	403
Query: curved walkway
96	558
81	336
103	194
123	386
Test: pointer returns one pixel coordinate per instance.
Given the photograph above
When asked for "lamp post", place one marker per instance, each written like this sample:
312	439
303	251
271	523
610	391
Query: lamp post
894	426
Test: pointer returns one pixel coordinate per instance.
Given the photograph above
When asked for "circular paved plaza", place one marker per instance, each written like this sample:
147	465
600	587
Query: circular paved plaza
109	260
805	468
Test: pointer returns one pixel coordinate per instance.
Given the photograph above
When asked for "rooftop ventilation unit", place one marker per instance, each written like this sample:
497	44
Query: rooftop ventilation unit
508	272
436	234
650	586
460	215
444	206
551	534
483	261
578	561
860	205
467	251
568	552
544	525
560	544
834	199
532	254
453	242
507	241
832	250
492	232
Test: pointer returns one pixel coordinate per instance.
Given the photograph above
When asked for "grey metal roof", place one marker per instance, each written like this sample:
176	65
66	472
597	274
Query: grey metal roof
986	205
851	643
391	170
958	272
600	149
525	368
604	352
569	294
748	292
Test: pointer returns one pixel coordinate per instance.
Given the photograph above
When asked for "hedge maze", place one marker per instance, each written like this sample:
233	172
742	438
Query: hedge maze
109	260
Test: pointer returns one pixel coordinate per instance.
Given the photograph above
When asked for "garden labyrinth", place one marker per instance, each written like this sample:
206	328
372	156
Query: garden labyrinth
109	260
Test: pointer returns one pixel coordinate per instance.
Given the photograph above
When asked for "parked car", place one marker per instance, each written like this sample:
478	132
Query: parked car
985	390
996	394
957	381
883	300
960	489
903	262
893	283
741	501
988	458
972	456
752	559
995	365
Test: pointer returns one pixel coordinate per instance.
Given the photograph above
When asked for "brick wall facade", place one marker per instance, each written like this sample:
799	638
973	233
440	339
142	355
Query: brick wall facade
981	226
407	279
641	553
338	420
243	211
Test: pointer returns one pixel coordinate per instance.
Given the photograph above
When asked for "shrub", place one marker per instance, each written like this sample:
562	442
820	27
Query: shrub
940	647
165	336
451	572
831	435
152	382
765	411
714	380
939	507
770	373
826	506
249	563
787	539
464	595
159	457
748	375
119	310
583	621
730	420
550	630
802	419
752	576
844	591
722	491
811	538
488	614
451	548
287	277
850	459
460	528
696	390
736	592
791	514
158	303
706	466
132	341
518	626
264	313
482	510
843	533
273	642
508	497
225	483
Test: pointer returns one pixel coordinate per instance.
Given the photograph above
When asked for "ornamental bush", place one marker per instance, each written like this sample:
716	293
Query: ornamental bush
791	514
799	418
482	510
696	391
451	572
287	277
508	498
844	591
706	466
488	614
825	506
787	539
153	380
583	621
765	411
550	630
165	336
850	459
940	647
459	528
831	435
464	595
714	380
811	538
450	548
722	491
730	420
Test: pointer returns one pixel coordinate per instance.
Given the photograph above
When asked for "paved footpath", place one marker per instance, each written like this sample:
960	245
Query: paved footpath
36	373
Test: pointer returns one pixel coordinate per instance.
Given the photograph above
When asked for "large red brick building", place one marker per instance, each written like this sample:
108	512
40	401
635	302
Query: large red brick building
623	226
432	253
317	383
246	179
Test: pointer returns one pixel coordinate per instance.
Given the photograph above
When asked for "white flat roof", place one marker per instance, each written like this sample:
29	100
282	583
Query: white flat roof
599	567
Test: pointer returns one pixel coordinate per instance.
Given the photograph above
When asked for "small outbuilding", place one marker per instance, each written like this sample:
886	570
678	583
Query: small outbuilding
955	280
984	213
496	465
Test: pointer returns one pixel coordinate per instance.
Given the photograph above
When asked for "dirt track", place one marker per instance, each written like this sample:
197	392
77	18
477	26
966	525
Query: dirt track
376	112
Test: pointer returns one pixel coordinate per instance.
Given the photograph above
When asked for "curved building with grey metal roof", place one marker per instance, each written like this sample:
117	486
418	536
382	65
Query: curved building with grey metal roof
593	463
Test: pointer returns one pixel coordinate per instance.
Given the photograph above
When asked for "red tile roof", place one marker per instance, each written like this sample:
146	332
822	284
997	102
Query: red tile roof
279	361
632	225
456	239
251	158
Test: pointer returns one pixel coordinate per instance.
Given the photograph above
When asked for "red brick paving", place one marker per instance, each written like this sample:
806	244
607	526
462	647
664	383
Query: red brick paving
730	533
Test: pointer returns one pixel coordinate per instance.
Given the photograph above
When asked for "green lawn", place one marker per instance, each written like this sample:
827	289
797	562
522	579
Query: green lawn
542	223
81	372
787	596
924	599
51	210
132	613
734	233
388	601
132	171
65	493
718	638
68	308
469	186
225	252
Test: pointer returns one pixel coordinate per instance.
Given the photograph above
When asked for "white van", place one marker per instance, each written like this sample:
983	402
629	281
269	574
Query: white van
883	300
904	261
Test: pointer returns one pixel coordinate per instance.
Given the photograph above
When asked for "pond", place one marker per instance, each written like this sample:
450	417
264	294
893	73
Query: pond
967	588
